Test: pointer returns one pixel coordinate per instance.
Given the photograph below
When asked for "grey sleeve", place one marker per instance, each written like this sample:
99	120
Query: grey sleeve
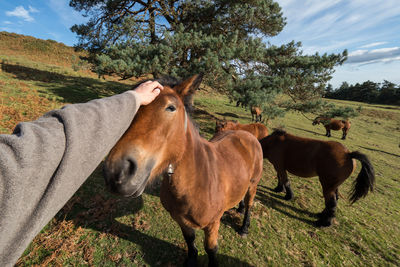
44	162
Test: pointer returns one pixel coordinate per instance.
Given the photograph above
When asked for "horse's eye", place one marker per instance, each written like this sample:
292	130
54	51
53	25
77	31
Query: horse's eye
171	108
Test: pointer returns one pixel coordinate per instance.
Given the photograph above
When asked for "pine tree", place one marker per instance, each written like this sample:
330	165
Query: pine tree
224	39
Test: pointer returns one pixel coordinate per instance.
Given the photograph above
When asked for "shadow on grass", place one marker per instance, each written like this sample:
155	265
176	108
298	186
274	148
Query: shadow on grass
98	210
308	131
72	89
228	114
198	112
380	151
271	199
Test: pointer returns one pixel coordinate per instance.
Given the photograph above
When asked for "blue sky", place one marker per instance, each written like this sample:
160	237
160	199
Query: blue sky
368	29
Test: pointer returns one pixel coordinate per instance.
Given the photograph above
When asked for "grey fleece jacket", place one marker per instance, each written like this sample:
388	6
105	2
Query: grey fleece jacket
44	162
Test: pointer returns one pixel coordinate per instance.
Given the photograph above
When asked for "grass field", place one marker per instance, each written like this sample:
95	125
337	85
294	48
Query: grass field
99	229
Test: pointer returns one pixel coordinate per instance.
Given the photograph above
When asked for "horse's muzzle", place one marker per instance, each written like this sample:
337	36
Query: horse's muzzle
125	177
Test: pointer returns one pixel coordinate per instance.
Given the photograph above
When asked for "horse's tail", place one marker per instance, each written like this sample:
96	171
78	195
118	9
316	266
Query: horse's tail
365	179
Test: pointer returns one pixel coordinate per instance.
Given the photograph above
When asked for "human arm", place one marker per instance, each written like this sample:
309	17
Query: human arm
44	162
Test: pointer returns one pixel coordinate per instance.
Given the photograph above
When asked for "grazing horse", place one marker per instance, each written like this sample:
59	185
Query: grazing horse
331	161
201	179
257	129
256	114
332	124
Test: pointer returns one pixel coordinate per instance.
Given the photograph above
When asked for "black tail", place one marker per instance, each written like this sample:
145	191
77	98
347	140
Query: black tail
365	179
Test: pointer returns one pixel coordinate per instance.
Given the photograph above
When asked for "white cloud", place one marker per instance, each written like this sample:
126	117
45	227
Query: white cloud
321	23
374	56
373	44
33	10
357	25
21	12
358	53
7	22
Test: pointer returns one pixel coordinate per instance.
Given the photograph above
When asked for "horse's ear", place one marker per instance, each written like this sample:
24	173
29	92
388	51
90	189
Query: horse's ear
189	86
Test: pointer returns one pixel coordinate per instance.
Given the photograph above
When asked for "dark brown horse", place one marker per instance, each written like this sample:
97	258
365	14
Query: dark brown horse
329	160
332	124
202	179
256	114
257	129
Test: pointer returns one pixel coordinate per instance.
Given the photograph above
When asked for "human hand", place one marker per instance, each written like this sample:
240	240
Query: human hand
148	91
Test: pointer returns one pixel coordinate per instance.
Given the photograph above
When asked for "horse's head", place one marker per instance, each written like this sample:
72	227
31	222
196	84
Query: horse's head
316	121
155	139
219	125
225	125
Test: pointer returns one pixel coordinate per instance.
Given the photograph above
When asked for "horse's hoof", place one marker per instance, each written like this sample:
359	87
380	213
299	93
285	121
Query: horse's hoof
323	223
288	197
278	189
243	233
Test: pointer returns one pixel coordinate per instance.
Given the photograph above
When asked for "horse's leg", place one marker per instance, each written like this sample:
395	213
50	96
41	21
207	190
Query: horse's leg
248	202
279	187
286	184
190	235
337	194
328	132
344	134
211	242
240	209
330	208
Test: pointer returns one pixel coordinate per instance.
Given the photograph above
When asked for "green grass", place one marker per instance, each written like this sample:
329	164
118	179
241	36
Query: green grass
99	229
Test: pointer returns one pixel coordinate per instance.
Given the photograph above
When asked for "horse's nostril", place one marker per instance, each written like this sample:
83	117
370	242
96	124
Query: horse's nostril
130	166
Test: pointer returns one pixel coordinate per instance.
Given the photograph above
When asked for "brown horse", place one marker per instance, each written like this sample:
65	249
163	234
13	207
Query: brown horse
332	124
202	179
256	114
257	129
329	160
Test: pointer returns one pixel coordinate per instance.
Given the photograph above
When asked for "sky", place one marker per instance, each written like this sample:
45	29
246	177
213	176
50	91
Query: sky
368	29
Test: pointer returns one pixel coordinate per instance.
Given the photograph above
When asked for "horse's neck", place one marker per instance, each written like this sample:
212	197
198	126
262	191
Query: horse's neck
194	154
324	120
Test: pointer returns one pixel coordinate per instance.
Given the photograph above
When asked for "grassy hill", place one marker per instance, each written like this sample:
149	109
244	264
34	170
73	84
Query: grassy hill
99	229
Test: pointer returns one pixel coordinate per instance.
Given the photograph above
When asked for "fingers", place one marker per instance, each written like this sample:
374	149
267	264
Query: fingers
153	85
157	91
148	91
